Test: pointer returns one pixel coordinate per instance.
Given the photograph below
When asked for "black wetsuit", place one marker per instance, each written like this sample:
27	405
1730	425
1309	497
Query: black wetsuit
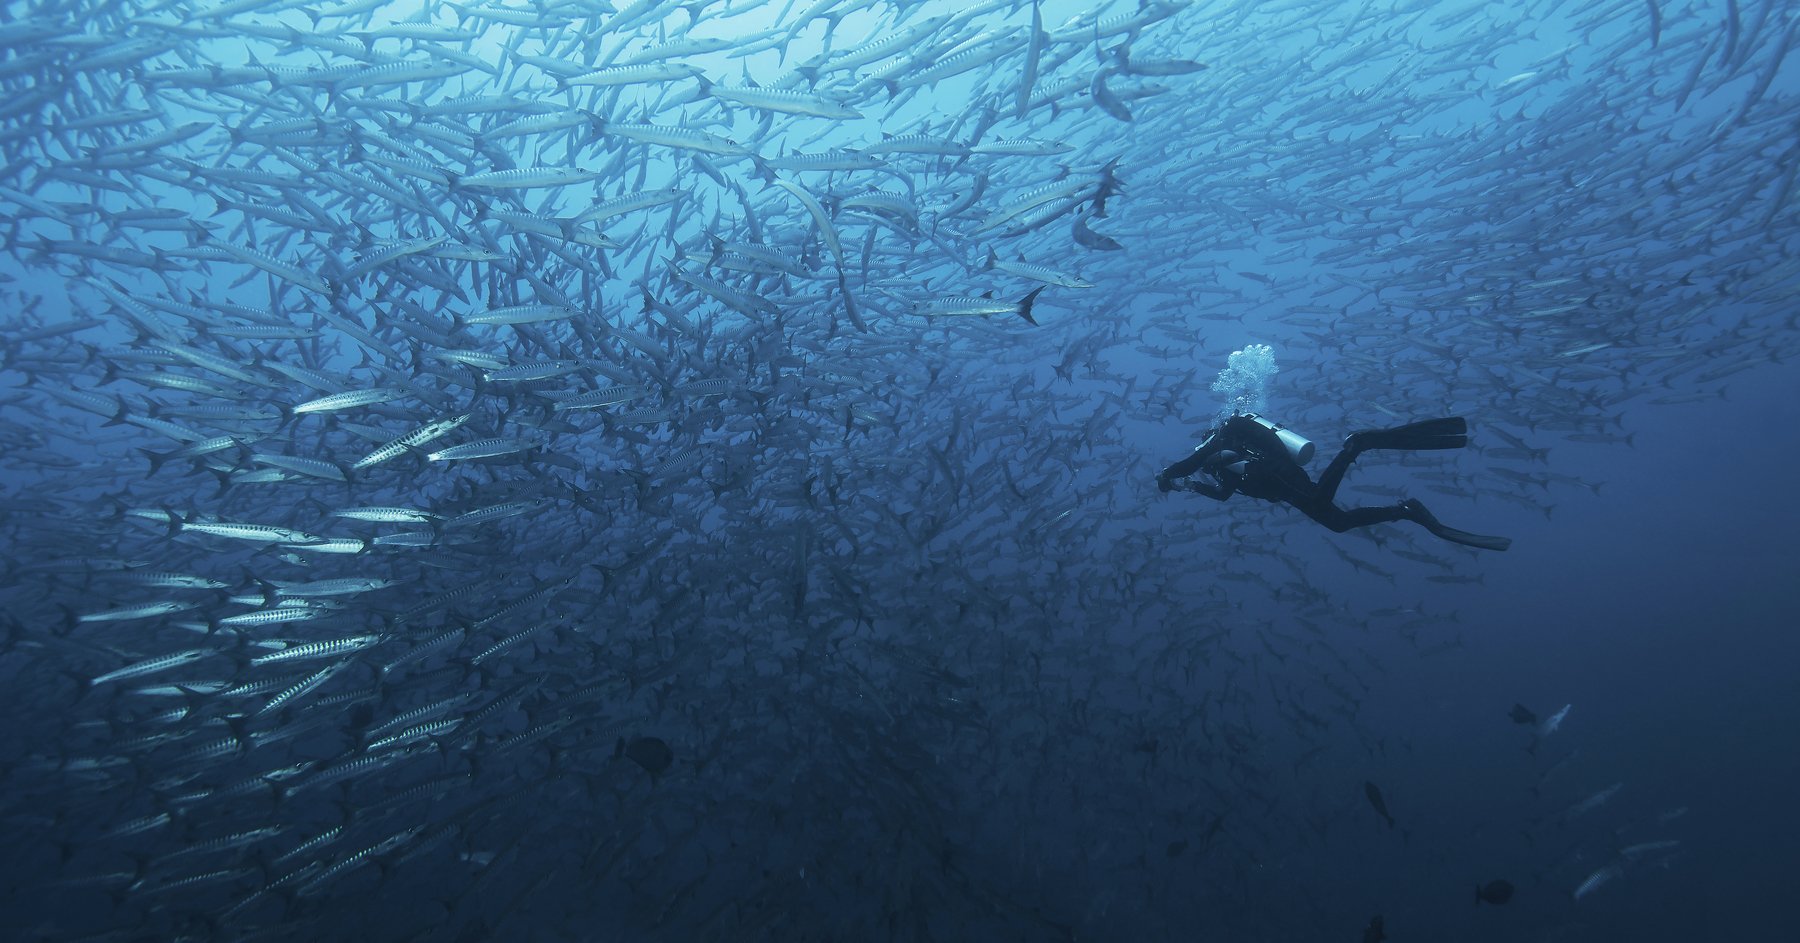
1244	456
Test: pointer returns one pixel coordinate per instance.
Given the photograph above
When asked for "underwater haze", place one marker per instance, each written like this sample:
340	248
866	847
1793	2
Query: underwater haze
681	470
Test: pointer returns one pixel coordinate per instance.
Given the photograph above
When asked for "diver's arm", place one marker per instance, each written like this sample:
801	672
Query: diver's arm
1218	492
1192	463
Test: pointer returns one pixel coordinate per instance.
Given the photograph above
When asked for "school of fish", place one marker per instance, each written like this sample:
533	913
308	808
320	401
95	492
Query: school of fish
680	469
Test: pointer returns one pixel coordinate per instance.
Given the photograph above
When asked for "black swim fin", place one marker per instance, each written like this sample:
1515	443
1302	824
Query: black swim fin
1450	425
1422	436
1416	512
1481	541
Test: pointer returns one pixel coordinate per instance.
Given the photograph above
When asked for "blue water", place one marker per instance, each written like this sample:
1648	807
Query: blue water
932	656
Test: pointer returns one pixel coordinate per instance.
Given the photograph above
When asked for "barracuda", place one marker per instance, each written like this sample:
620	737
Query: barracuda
678	138
144	611
521	314
527	372
153	665
986	306
630	203
646	74
285	271
280	615
430	432
300	688
345	586
327	648
256	533
386	515
349	399
1037	273
484	448
168	579
608	396
525	178
780	101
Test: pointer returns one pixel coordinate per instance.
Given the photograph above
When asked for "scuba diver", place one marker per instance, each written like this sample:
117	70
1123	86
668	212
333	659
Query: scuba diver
1247	453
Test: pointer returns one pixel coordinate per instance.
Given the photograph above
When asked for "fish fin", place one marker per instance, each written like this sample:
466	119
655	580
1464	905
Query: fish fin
1025	306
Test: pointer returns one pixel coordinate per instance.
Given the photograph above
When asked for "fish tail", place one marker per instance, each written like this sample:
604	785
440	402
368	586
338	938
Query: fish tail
156	460
1025	306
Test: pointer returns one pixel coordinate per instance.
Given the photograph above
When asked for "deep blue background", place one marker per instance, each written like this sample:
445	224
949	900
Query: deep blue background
1661	607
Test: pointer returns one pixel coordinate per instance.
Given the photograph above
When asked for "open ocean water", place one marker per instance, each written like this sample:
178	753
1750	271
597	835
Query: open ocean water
678	471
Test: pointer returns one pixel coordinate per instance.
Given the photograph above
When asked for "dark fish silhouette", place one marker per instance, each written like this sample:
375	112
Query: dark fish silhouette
1374	932
1093	240
1380	804
1494	892
649	752
1520	715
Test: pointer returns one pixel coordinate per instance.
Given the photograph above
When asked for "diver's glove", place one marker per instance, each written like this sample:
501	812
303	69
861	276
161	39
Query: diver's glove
1163	484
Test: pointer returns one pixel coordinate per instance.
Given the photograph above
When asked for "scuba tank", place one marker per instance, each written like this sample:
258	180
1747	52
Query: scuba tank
1298	448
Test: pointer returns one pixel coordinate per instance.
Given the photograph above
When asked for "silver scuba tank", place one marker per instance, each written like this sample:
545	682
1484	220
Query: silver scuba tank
1298	448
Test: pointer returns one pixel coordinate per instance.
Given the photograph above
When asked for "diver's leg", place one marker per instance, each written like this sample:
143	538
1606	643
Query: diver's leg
1333	476
1339	519
1419	436
1414	510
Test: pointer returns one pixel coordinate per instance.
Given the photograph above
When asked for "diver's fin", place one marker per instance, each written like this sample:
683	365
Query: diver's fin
1416	512
1422	436
1364	441
1404	441
1450	425
1467	539
1434	442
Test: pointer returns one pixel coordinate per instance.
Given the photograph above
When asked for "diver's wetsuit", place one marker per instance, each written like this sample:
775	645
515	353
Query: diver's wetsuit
1245	456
